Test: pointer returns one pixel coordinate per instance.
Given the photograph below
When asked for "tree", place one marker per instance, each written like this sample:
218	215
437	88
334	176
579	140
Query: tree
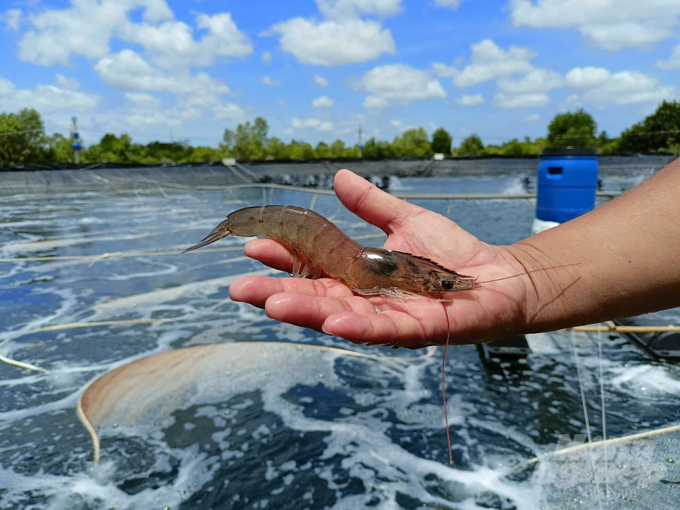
338	149
23	139
14	147
322	151
512	148
471	146
572	130
60	149
412	142
31	122
441	141
301	150
276	149
660	130
248	142
202	154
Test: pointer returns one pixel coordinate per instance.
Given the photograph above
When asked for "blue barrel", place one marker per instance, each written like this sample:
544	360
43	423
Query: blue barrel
567	183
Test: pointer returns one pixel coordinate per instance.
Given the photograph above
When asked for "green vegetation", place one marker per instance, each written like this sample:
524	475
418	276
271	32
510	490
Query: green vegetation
23	140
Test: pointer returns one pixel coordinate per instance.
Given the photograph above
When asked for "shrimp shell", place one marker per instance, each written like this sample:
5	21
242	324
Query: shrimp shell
320	248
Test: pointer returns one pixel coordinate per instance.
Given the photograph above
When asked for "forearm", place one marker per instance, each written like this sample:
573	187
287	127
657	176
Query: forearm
629	256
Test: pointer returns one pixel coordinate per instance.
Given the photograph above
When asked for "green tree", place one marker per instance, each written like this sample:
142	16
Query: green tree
203	154
441	141
322	151
658	131
471	146
276	149
23	138
60	149
31	122
14	147
575	129
248	142
412	142
301	150
338	149
512	148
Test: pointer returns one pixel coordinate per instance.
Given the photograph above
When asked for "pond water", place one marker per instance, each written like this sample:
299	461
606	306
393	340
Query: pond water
373	438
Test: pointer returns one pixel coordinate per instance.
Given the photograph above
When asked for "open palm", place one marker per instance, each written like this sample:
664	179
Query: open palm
495	310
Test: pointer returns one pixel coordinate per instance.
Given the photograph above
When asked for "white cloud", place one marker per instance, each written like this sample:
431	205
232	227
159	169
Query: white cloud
444	71
46	98
375	103
127	70
266	58
266	80
323	101
147	110
624	87
320	81
470	100
504	100
398	82
281	104
582	78
538	80
399	126
229	111
333	43
86	28
12	18
172	44
571	102
451	4
142	99
343	9
67	83
311	123
610	24
6	87
673	62
534	117
488	62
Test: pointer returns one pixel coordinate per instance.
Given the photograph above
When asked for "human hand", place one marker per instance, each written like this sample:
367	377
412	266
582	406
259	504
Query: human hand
496	310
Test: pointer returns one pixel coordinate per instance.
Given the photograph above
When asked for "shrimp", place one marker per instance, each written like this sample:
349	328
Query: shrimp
321	248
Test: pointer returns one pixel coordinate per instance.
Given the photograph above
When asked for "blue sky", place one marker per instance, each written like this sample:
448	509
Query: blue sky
158	69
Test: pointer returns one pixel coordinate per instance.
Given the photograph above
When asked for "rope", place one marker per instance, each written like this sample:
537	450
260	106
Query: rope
613	328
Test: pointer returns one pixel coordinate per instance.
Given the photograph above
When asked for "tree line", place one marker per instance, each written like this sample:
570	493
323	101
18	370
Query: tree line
23	140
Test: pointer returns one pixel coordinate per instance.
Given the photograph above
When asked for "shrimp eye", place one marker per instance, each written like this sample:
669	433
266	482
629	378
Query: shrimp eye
447	285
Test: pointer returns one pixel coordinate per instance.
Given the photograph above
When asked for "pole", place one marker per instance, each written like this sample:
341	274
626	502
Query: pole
359	140
76	140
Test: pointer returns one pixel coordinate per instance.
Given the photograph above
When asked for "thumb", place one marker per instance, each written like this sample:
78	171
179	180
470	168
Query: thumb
369	202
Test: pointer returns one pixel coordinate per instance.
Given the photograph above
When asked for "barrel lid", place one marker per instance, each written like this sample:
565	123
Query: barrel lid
569	151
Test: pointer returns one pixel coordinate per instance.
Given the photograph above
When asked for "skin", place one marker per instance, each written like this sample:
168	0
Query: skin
628	253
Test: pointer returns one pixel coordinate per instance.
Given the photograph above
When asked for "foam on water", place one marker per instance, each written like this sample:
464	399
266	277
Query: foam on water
366	433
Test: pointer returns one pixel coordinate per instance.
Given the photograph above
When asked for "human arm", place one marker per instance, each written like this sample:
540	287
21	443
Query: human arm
601	287
629	250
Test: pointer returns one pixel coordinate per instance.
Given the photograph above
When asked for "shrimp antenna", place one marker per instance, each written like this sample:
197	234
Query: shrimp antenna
531	271
213	236
446	415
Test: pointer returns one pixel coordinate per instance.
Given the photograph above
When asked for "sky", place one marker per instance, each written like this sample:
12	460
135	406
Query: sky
317	70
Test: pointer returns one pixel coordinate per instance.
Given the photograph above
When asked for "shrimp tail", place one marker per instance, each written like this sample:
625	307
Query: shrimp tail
219	232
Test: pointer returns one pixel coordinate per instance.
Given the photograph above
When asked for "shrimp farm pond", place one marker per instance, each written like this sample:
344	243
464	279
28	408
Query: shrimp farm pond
199	402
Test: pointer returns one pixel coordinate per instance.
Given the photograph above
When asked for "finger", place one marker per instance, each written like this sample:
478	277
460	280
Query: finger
270	253
311	312
369	202
257	289
391	327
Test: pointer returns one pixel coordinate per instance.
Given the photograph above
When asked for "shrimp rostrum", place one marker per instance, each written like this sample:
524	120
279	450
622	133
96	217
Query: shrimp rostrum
320	248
